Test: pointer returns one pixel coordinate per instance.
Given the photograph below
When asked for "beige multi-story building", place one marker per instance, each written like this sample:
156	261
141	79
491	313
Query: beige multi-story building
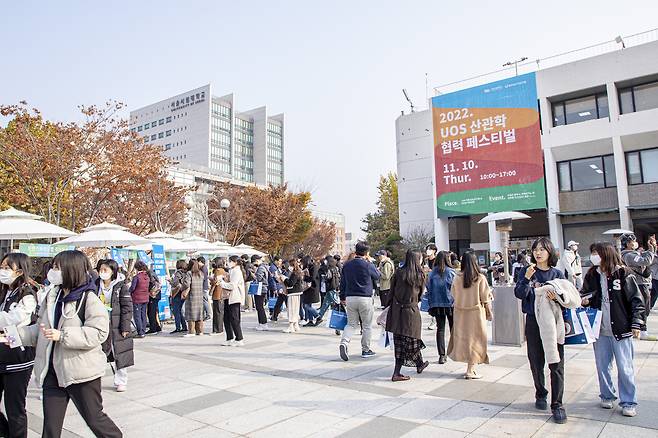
338	219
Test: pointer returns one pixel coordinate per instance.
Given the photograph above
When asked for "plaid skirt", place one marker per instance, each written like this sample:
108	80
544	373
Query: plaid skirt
408	350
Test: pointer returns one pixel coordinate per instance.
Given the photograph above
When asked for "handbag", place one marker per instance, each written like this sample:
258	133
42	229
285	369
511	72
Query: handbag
381	319
255	288
338	319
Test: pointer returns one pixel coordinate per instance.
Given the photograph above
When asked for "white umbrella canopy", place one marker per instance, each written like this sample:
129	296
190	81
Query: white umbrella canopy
168	242
105	235
618	231
16	224
197	244
503	215
246	249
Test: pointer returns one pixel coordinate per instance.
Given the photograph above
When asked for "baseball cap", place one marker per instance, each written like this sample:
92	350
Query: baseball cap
572	242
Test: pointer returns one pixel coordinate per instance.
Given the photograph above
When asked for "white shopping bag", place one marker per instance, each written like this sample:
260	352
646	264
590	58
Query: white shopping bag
386	340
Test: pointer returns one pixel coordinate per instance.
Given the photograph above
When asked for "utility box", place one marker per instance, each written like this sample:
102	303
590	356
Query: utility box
508	321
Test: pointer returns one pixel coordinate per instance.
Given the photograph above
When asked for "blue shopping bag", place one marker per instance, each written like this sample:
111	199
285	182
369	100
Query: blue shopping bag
338	319
424	303
582	325
271	303
255	288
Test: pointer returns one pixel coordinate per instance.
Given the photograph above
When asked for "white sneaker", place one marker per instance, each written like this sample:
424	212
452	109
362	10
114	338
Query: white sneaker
214	334
297	328
645	336
264	327
607	404
189	335
238	344
227	343
628	411
121	388
290	329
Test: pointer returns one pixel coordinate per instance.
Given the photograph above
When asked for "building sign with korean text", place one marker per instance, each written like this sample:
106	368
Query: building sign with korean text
487	149
187	101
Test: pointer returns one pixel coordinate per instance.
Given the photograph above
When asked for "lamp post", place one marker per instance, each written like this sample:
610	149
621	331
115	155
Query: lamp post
224	205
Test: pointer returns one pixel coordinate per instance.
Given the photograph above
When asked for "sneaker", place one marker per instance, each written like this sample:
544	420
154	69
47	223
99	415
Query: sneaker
337	332
140	336
259	328
607	404
290	329
343	352
628	411
265	327
318	321
559	415
189	335
541	404
238	344
367	353
121	388
175	331
645	336
309	324
442	360
227	343
214	334
297	328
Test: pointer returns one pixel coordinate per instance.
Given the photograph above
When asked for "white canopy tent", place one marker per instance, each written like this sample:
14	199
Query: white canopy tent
105	235
16	224
169	243
197	244
246	249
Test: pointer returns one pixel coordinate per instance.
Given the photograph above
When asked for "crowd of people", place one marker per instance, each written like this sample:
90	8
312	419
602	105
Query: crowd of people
75	319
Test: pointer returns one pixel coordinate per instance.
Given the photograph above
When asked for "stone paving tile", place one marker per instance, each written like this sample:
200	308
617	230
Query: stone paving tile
421	408
194	404
647	416
613	430
465	416
510	361
299	426
513	422
426	431
258	419
575	427
381	427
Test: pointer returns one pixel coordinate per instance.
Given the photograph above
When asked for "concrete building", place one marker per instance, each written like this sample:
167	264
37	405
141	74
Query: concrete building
599	135
201	129
338	219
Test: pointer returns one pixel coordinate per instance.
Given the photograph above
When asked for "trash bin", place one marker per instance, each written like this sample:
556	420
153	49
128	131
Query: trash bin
508	322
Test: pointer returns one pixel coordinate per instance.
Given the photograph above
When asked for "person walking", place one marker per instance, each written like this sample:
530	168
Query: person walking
139	293
472	310
640	262
333	288
386	269
262	276
356	288
114	294
71	326
403	318
219	294
19	301
311	294
180	285
294	288
276	287
440	299
207	306
540	271
236	292
249	275
153	307
615	292
194	300
573	265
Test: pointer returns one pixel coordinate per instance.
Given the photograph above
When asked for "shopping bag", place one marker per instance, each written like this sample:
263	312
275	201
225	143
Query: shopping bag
386	340
424	303
337	320
271	303
255	288
572	324
590	321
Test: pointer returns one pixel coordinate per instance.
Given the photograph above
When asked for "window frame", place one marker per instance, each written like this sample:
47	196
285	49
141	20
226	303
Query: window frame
641	165
631	88
562	104
603	168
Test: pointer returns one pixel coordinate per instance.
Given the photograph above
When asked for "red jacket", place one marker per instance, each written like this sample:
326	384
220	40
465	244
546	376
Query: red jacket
139	289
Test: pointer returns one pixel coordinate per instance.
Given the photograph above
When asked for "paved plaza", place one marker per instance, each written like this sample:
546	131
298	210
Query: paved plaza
283	385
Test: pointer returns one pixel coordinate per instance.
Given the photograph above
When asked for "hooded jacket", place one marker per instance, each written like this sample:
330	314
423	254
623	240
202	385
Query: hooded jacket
117	348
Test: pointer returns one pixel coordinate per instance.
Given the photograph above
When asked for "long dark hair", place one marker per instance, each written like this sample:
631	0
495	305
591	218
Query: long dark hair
412	272
442	261
194	268
610	258
18	262
75	267
470	269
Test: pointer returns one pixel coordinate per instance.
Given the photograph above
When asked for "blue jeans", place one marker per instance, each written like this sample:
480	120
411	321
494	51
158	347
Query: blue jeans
329	299
605	348
139	314
310	311
177	309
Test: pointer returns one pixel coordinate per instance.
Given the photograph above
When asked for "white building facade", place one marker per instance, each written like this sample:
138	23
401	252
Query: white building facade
599	135
338	219
198	128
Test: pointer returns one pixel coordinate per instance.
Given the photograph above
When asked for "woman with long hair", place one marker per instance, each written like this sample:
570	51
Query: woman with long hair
440	299
614	291
218	294
69	332
19	301
180	285
403	319
236	295
294	288
194	300
540	271
472	310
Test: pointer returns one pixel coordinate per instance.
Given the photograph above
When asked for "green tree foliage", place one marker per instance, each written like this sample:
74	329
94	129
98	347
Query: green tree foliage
382	227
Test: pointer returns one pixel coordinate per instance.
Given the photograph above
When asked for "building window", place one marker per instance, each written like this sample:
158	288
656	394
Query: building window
154	124
146	127
169	119
587	174
161	122
638	97
642	166
161	135
168	133
167	146
139	128
568	112
153	137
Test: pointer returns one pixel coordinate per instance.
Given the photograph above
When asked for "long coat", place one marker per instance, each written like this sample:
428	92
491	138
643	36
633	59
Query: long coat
117	348
404	314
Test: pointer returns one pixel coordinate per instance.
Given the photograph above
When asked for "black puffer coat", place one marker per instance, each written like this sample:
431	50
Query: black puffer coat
117	348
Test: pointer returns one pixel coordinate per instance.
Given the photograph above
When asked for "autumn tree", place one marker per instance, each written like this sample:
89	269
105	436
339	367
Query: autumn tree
317	243
77	174
382	227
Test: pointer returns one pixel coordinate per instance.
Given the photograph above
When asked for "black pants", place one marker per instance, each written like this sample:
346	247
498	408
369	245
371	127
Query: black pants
13	386
153	315
232	321
383	297
442	313
86	398
217	316
538	361
280	299
260	308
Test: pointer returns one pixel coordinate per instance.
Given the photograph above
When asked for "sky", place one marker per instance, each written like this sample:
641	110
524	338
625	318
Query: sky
336	69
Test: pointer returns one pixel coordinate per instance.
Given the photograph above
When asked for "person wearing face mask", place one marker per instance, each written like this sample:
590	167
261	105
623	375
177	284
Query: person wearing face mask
18	300
71	327
115	295
236	293
263	277
573	264
640	261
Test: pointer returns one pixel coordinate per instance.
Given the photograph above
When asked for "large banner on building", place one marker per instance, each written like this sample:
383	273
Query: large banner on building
487	149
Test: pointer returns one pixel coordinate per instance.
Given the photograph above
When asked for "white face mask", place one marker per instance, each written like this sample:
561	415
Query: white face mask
55	277
7	276
105	275
595	259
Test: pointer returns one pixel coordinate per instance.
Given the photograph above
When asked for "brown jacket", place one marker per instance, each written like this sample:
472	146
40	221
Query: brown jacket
217	291
404	314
